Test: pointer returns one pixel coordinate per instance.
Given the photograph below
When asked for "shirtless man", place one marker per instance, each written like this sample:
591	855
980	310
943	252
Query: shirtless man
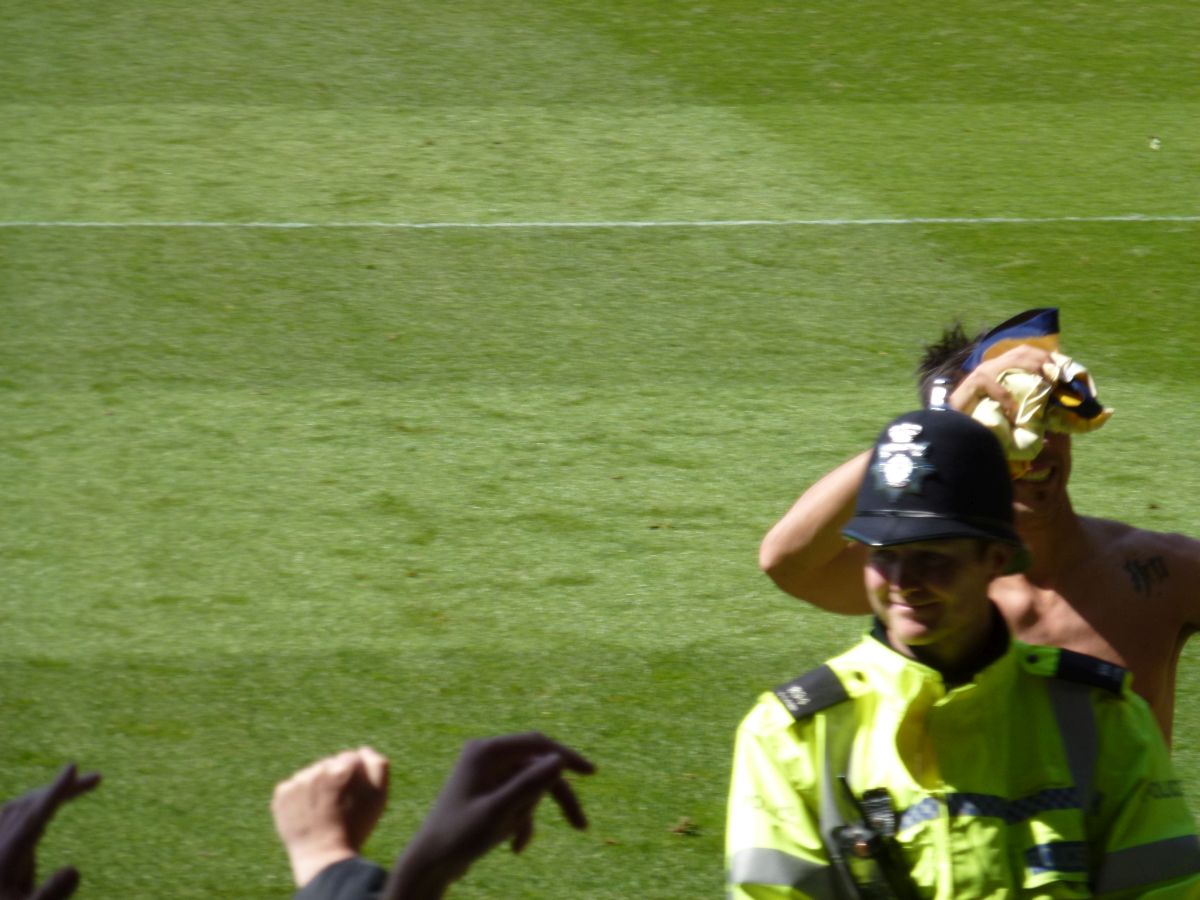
1096	586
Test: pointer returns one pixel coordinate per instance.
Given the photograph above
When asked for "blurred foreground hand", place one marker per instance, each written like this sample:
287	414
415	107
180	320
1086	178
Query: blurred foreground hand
489	798
23	821
325	812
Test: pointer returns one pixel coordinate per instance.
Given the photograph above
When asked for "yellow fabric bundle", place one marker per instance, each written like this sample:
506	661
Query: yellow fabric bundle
1045	402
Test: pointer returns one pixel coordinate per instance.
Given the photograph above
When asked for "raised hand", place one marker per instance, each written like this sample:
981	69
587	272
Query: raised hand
23	821
489	798
325	812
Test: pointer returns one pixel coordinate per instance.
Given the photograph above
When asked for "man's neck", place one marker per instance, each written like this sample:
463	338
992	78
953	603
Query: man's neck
1055	543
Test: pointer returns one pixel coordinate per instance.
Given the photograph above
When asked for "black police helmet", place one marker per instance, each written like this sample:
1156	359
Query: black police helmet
936	474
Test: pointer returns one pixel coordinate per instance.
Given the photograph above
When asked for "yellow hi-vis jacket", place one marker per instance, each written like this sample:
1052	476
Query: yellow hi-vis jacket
1043	776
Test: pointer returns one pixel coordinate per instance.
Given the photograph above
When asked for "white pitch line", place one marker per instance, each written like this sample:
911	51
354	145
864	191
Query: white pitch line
699	223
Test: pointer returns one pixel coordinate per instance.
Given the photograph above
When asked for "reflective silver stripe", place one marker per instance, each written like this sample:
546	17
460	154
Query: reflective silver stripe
1077	727
758	865
838	736
1149	864
831	808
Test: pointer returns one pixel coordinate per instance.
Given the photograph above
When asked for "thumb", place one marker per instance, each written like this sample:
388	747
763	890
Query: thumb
375	766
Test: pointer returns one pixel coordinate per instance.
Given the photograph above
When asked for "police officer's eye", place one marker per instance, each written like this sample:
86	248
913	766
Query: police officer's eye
933	562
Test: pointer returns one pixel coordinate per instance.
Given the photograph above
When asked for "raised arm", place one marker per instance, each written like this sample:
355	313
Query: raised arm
490	797
23	821
805	553
326	811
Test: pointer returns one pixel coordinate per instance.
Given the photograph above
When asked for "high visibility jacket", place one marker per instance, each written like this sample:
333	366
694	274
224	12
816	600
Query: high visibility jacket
1043	776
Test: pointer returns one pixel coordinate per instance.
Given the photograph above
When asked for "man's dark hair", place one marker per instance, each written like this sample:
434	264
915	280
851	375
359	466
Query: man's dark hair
944	359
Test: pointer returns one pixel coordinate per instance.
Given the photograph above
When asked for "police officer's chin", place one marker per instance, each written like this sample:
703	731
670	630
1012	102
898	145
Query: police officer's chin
912	624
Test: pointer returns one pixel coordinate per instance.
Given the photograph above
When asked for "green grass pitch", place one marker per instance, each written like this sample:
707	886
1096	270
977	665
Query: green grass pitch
270	492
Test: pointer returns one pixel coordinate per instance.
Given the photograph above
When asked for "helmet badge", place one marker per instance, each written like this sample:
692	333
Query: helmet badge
900	465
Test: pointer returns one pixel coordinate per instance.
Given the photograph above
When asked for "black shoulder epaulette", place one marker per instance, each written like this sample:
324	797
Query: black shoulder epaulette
812	692
1084	669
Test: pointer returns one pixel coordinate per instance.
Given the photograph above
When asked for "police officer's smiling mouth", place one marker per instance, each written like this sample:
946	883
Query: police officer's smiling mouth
913	605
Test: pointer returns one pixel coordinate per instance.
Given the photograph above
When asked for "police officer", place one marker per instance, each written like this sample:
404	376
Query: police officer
940	757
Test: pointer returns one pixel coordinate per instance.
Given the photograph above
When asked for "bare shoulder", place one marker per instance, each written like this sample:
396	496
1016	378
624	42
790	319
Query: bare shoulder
1156	562
1121	537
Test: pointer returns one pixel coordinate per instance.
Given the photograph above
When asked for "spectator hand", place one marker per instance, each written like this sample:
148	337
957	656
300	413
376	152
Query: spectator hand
22	823
490	797
325	812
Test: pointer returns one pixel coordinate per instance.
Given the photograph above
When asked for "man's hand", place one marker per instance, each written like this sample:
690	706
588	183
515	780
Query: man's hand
325	812
22	823
984	381
490	797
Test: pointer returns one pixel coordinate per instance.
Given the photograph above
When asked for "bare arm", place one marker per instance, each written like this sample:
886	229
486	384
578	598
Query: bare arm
805	553
1185	559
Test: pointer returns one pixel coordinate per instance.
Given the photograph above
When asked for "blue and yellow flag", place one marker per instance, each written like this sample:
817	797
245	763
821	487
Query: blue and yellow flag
1075	393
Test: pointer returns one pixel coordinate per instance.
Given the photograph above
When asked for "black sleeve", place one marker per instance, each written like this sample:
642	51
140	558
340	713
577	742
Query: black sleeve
350	879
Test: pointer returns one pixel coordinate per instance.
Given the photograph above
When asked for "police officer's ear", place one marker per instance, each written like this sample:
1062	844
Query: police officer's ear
998	556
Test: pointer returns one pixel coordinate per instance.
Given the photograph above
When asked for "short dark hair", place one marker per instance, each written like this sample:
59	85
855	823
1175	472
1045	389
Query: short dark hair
944	358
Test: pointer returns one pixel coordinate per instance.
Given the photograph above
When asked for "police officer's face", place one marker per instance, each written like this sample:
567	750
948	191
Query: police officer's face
933	594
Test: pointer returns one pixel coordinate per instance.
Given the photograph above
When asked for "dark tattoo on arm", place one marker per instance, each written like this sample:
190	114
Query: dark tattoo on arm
1144	573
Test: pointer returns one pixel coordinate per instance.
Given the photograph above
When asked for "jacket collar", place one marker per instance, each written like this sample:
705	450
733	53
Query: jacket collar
993	648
